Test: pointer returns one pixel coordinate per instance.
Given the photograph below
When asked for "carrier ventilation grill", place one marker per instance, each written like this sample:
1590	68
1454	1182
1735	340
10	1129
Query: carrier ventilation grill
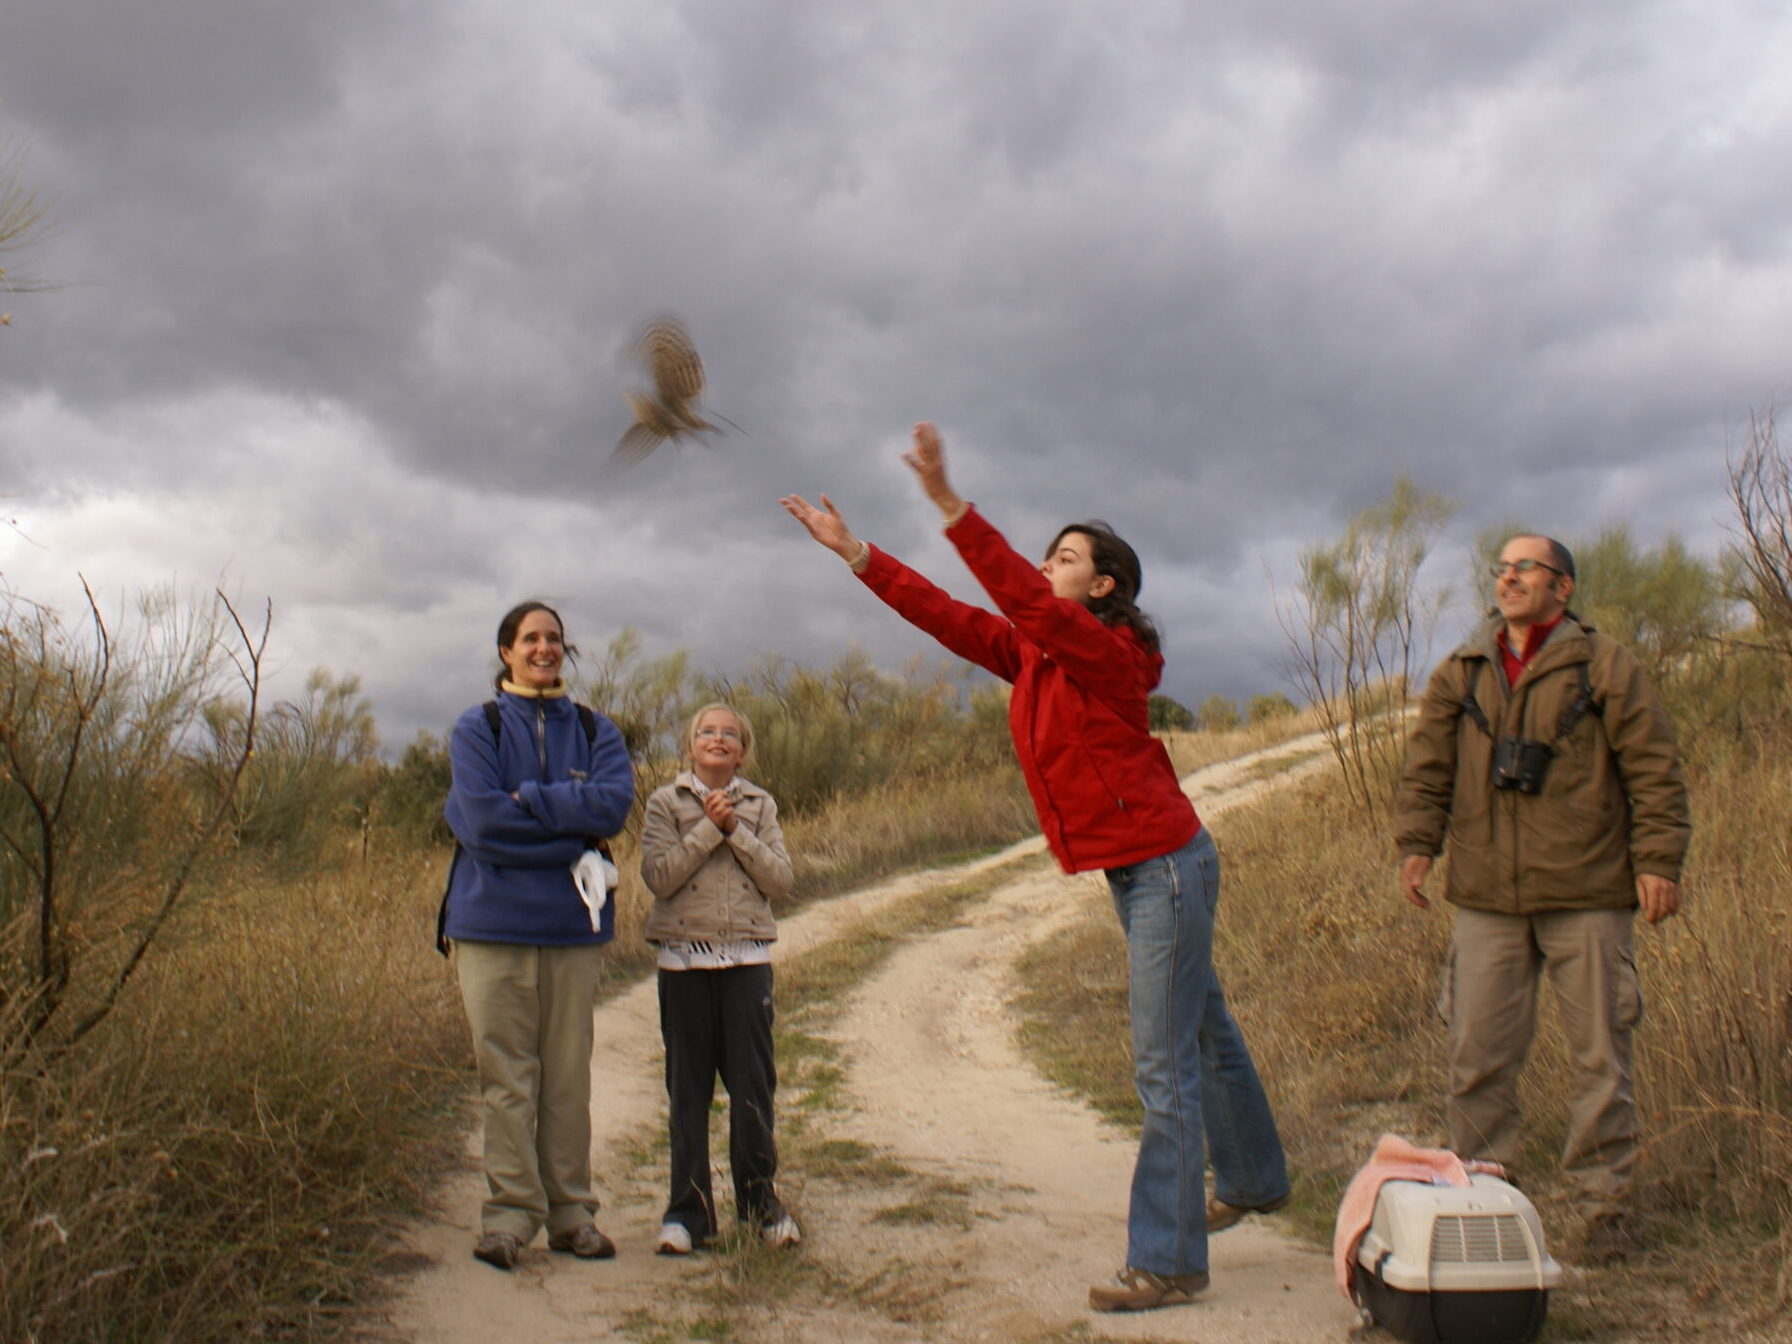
1478	1239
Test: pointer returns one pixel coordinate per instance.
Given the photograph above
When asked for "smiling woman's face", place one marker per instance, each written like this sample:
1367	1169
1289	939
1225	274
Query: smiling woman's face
534	659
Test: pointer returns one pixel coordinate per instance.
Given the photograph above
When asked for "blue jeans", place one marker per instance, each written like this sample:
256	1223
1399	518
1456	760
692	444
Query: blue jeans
1194	1074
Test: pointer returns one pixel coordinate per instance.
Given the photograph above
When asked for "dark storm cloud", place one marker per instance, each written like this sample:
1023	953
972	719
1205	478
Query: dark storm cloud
360	280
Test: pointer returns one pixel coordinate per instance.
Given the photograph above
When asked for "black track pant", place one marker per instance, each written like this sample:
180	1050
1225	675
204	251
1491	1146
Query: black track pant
720	1022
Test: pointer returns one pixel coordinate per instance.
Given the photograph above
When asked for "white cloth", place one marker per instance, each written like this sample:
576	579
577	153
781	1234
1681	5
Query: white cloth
596	877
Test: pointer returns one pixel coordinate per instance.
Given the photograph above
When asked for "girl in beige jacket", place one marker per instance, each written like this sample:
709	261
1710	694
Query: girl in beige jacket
713	856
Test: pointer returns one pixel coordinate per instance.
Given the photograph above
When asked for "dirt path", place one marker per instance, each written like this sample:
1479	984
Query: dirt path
1033	1185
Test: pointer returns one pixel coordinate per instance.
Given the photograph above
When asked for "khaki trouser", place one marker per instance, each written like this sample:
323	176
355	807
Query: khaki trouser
530	1009
1490	1002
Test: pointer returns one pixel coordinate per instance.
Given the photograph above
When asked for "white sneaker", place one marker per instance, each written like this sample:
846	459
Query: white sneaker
675	1239
782	1233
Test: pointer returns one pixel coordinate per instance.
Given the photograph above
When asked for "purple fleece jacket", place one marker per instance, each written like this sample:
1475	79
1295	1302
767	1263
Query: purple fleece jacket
512	879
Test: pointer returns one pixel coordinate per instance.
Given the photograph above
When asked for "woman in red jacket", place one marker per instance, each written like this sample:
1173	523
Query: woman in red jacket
1083	660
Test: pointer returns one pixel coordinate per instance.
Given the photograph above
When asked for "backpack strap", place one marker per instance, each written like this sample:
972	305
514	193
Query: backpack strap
1582	705
1471	706
442	944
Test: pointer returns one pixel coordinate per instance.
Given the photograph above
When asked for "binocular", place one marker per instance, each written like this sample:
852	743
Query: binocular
1520	763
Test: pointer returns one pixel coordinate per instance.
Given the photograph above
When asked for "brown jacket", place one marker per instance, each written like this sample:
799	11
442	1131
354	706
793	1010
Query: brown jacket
709	886
1613	803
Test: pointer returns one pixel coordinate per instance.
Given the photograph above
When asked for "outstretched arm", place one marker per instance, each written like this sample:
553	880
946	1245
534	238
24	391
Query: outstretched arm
1073	635
970	632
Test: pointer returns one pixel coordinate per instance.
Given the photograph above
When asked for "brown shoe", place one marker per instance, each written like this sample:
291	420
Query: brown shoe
585	1242
1221	1215
1141	1290
499	1249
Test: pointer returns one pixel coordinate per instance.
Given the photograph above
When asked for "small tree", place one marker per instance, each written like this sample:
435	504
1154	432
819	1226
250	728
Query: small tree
1217	715
410	795
101	825
1760	562
1264	708
313	771
645	699
24	222
1167	715
1359	629
1664	603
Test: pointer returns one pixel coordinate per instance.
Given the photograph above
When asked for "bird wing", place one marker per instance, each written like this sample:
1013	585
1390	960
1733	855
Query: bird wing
636	442
672	360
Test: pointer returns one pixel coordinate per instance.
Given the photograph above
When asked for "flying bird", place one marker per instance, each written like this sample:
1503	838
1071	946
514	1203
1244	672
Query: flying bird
670	410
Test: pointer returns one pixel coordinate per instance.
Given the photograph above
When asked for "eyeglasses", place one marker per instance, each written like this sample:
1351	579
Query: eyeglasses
1499	567
726	734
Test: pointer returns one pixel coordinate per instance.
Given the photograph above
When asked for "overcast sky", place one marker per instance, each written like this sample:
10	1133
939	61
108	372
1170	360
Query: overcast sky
353	282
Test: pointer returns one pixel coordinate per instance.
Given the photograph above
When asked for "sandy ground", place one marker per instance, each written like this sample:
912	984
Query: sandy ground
934	1078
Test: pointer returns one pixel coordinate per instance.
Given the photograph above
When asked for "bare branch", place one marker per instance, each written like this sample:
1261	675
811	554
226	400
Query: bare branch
1761	490
249	666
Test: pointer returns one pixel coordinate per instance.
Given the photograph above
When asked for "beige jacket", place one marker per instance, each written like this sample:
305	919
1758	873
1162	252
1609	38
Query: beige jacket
1613	802
706	885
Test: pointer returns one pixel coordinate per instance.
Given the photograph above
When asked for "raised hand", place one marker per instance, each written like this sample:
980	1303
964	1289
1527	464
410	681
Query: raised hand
824	524
927	459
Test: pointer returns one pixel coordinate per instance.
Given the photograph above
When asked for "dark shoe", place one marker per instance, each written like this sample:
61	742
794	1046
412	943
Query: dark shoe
1221	1215
1141	1290
1608	1238
499	1249
585	1242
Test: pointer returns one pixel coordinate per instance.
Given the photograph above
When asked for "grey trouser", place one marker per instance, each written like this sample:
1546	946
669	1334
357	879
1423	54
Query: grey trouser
1490	1003
530	1009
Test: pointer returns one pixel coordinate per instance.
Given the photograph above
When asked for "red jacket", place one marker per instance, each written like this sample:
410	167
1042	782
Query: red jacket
1104	788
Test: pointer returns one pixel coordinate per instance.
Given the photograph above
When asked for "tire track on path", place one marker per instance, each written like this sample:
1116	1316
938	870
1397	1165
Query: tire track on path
933	1075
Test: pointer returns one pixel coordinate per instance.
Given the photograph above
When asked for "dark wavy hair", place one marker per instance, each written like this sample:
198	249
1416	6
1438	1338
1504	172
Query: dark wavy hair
513	621
1114	558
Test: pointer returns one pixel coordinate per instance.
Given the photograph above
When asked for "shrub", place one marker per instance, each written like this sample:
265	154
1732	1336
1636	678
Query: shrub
1265	708
1169	716
1217	715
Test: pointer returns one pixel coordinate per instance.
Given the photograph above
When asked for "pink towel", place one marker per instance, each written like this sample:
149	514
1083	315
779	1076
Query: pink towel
1394	1159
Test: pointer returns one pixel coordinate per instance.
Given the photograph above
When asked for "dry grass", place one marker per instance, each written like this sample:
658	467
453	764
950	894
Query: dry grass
1197	750
223	1159
1334	979
739	1282
285	1078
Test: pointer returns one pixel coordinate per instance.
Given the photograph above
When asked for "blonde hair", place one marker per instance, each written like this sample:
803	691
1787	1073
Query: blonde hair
746	728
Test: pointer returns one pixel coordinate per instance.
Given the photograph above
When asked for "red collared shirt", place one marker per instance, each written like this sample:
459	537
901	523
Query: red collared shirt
1515	664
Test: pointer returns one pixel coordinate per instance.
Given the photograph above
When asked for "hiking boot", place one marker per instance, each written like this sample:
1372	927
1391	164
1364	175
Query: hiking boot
781	1234
1221	1215
1141	1290
1607	1238
675	1239
499	1249
585	1242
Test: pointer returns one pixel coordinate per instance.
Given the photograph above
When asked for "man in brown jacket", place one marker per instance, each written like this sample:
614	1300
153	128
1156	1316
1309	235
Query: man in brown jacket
1544	758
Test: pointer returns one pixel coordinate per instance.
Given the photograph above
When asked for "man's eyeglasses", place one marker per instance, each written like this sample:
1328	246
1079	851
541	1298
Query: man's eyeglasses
726	734
1499	567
